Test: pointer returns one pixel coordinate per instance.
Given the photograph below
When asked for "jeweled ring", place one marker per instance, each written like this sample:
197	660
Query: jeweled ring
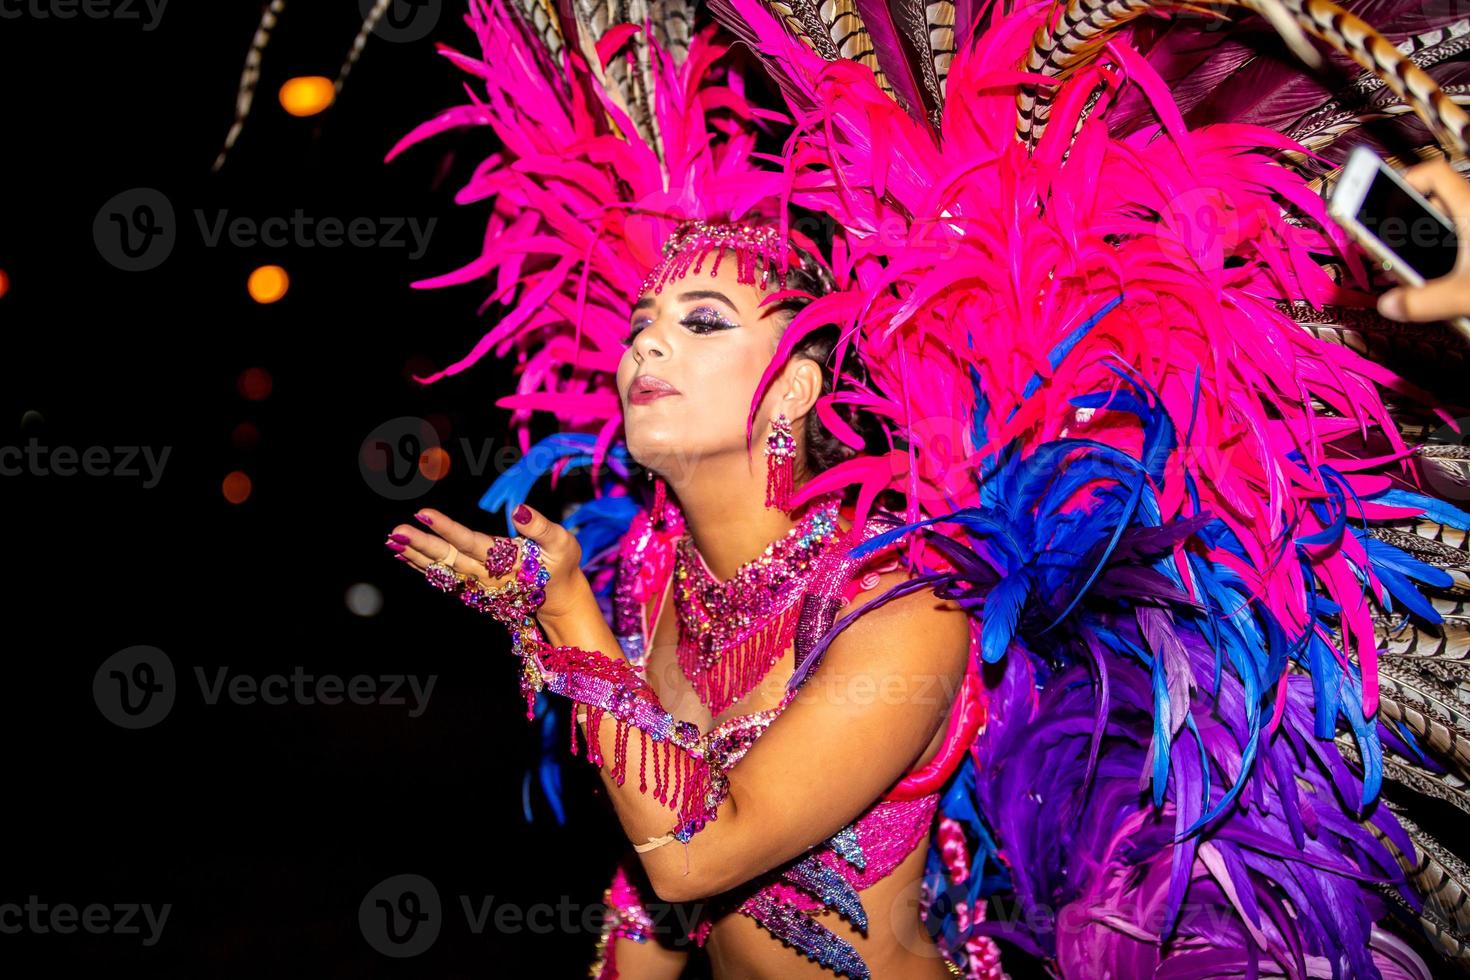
502	556
441	574
475	596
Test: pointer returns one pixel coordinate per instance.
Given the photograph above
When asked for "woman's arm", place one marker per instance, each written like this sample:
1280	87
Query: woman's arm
570	617
860	723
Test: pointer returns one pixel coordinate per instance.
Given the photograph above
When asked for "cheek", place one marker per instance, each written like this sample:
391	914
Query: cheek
724	386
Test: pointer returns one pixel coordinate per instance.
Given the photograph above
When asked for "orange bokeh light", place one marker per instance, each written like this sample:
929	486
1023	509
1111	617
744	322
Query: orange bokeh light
255	384
4	282
236	487
434	463
268	284
306	95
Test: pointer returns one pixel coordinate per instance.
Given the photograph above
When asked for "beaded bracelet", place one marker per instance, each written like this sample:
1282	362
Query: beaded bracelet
685	781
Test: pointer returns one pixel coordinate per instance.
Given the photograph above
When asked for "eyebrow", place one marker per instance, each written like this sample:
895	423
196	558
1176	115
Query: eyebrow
647	301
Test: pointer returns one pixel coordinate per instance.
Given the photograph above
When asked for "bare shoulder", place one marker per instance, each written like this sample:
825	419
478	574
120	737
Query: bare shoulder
919	624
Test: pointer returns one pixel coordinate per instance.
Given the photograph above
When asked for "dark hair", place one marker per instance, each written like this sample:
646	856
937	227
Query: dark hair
823	450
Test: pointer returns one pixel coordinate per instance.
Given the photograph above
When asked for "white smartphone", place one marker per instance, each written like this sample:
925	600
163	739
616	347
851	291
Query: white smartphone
1409	237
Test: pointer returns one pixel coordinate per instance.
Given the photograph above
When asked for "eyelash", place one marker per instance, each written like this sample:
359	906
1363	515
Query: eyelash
700	321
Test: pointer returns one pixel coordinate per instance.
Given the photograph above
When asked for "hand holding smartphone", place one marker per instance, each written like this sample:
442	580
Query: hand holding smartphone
1413	240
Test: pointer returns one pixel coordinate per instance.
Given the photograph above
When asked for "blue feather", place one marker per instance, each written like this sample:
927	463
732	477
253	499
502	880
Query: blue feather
571	449
1064	346
1002	614
1434	509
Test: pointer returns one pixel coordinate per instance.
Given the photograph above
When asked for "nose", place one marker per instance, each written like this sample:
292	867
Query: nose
648	343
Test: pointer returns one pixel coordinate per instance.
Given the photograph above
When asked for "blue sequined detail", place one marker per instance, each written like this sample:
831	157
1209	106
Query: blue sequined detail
797	929
845	845
829	888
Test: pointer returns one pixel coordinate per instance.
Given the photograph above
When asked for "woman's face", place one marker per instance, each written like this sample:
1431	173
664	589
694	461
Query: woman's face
695	353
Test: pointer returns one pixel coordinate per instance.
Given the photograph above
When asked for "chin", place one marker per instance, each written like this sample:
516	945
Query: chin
650	444
671	454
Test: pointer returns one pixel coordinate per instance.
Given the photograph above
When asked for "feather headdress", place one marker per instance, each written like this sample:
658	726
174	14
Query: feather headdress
616	125
1140	464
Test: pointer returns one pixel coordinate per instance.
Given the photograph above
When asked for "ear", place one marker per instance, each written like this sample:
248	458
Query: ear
798	389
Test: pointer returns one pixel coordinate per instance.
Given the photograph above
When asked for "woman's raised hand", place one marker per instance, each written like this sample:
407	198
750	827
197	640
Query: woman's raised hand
561	555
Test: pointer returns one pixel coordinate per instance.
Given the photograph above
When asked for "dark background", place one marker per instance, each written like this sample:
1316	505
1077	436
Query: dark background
263	826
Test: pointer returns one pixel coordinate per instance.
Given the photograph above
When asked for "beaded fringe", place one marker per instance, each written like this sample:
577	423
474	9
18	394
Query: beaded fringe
779	482
680	780
660	500
739	667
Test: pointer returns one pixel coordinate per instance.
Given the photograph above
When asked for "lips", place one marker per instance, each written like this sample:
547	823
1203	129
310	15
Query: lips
646	388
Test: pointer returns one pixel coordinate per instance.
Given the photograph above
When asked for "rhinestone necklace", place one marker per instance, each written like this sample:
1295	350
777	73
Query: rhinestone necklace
731	633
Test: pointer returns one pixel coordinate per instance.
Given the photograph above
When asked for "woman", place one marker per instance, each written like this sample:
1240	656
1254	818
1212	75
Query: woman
1185	535
868	716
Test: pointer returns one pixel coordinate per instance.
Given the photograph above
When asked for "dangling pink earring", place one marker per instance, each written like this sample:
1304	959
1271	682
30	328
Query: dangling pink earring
780	463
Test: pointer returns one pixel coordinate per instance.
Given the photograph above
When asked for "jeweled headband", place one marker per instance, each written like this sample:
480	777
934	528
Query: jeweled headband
756	248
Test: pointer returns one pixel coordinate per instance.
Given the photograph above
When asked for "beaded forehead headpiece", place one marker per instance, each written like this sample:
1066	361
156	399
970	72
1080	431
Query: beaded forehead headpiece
758	250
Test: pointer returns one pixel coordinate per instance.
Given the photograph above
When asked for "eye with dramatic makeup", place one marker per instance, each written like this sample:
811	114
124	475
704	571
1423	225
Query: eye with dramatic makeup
700	320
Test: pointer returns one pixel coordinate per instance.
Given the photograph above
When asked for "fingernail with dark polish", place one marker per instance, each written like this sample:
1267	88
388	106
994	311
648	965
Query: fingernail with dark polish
424	519
400	557
394	545
400	538
522	515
